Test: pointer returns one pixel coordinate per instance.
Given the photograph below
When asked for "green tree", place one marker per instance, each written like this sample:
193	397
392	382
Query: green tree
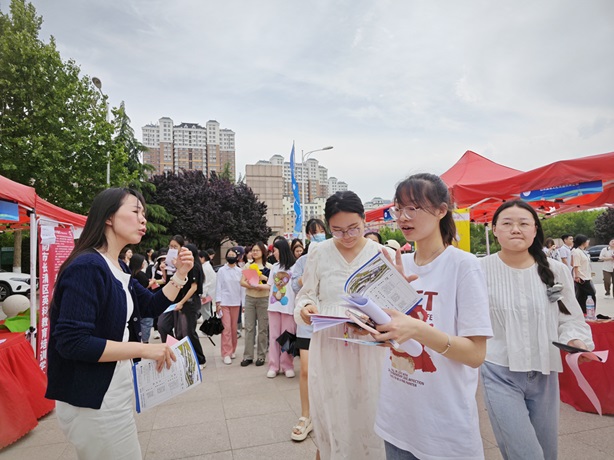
210	210
392	234
53	125
604	227
478	239
572	222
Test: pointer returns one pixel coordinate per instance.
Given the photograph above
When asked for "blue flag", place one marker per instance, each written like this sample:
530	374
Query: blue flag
298	223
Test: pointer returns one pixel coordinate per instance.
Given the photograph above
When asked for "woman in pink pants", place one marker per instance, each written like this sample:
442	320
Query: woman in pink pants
281	309
228	297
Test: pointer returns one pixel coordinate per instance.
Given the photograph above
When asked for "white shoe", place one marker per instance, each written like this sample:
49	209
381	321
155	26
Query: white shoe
156	336
290	373
227	360
233	356
271	374
202	366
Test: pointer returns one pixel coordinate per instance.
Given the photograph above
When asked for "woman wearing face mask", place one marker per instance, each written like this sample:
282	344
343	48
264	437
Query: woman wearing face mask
343	410
316	233
228	297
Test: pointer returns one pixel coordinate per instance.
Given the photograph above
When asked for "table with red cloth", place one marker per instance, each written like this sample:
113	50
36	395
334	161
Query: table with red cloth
600	376
22	389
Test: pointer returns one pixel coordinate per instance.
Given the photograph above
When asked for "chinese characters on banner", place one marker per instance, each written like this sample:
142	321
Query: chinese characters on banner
55	247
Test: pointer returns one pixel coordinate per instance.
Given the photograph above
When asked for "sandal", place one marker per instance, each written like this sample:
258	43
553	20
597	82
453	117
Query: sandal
304	427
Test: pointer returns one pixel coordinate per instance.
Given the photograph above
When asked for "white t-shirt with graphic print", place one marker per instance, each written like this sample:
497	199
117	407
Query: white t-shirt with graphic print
281	296
427	404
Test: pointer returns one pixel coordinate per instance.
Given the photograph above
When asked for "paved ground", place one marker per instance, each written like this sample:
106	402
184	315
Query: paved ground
237	413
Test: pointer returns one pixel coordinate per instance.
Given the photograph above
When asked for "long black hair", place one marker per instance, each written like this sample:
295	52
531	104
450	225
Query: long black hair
136	263
428	192
536	248
104	206
286	258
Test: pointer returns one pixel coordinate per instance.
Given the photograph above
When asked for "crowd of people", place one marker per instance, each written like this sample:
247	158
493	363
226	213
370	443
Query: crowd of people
494	317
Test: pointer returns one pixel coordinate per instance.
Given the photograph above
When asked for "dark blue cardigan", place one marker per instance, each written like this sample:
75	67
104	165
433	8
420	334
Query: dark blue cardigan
89	308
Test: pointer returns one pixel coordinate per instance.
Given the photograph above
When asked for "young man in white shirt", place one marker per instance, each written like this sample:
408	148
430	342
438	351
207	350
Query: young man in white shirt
565	250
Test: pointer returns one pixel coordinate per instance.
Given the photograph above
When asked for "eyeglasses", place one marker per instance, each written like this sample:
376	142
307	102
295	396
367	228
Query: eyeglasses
351	232
409	212
508	225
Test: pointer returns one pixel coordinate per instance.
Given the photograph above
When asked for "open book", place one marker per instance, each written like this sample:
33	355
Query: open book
374	286
152	387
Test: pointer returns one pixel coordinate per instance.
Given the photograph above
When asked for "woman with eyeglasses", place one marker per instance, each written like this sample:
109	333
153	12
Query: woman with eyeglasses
532	304
343	377
427	407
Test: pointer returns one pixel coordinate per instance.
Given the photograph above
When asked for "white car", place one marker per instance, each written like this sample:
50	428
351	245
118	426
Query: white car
13	283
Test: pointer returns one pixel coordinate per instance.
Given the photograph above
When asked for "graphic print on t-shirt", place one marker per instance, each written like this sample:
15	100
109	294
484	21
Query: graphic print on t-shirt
278	293
401	362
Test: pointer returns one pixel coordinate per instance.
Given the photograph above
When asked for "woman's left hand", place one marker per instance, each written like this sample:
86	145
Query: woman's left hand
401	328
184	262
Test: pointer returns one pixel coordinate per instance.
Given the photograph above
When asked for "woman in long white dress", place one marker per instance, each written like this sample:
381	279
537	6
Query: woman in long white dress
343	377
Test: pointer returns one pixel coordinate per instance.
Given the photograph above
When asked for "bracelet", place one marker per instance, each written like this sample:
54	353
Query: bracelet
448	346
175	281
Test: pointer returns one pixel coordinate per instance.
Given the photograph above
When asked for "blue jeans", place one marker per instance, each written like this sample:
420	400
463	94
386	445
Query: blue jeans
146	325
523	408
394	453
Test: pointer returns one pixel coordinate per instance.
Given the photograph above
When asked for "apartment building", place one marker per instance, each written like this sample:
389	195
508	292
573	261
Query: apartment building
189	146
313	183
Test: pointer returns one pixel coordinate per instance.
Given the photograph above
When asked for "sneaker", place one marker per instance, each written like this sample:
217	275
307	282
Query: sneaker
156	336
246	362
290	373
271	374
239	334
202	366
233	356
227	360
260	362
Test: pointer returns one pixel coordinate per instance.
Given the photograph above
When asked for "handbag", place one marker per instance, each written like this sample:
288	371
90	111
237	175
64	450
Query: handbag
212	326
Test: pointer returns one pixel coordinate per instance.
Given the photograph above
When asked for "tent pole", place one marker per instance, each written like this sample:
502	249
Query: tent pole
487	239
33	302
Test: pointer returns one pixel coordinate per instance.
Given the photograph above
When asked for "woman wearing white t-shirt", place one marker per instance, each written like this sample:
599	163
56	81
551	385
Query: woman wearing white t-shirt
427	407
281	309
532	304
581	270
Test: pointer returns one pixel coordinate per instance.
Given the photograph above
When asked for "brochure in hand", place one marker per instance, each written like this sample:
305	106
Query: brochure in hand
152	387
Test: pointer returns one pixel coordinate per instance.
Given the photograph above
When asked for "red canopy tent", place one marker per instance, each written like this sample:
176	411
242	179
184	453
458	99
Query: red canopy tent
563	186
33	210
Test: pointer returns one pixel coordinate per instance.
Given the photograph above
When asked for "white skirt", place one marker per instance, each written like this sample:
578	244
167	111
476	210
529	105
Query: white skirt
109	432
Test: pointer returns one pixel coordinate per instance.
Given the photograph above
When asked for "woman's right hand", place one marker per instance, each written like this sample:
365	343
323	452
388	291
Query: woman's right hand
398	264
161	353
307	311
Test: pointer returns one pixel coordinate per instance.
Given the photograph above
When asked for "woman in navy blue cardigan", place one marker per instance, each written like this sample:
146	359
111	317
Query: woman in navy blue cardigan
95	329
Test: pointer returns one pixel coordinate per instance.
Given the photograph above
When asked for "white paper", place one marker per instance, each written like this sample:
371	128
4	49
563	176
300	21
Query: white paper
152	387
47	234
170	256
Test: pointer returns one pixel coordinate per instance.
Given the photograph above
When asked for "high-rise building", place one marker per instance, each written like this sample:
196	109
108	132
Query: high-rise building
313	184
188	146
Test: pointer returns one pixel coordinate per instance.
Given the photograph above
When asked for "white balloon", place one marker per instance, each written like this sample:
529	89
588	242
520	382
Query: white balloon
15	304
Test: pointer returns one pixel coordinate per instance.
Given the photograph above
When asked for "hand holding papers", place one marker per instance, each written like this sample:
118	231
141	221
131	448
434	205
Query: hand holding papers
252	276
379	316
152	387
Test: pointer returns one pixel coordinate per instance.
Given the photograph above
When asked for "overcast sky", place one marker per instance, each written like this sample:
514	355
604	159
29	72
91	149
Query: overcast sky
397	87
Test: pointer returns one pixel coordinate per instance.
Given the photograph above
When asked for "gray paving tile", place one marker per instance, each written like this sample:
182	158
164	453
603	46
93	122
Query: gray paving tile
573	421
251	405
260	430
600	439
305	450
46	433
144	420
188	441
18	451
189	413
571	447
